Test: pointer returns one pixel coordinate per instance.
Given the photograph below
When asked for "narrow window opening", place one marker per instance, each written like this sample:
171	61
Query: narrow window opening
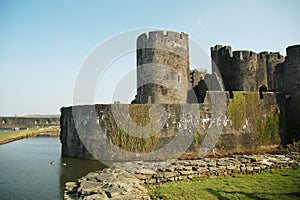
261	96
178	79
262	89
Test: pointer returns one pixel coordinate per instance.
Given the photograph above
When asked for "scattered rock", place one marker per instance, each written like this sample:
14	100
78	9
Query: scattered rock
126	180
106	184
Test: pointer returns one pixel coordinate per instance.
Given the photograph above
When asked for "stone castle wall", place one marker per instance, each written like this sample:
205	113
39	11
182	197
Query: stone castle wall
191	111
162	67
246	70
27	122
249	71
241	123
290	73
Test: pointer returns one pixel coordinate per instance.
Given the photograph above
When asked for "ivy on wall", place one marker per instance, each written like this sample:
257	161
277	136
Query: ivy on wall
135	144
237	110
268	129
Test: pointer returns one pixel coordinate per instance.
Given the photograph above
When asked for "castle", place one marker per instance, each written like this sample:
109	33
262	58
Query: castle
259	91
239	71
263	72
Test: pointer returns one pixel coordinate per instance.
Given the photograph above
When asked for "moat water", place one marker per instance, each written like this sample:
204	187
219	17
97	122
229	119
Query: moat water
26	171
5	130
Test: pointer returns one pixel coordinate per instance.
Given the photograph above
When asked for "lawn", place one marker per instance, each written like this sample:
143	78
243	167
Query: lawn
278	184
25	133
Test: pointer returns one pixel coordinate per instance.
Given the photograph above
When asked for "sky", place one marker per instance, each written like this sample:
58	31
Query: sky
43	44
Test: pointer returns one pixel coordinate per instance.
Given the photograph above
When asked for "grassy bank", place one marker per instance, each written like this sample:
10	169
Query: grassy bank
6	137
278	184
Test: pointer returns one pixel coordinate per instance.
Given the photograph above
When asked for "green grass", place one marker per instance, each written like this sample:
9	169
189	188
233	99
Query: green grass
26	133
278	184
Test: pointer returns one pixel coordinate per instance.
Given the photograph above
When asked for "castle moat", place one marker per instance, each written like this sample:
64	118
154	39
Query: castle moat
34	169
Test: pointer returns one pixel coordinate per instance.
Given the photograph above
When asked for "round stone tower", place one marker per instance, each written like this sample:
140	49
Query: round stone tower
291	86
292	71
162	68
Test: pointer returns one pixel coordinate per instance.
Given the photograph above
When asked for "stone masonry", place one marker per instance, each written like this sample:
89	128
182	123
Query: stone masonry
162	67
261	72
257	106
130	180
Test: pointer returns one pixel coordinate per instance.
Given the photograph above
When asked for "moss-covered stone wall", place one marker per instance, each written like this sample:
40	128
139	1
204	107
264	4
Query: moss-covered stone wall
246	122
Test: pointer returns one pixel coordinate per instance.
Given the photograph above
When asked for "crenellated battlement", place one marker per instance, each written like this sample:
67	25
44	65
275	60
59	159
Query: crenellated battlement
276	55
293	53
244	55
216	48
222	50
246	70
263	55
164	40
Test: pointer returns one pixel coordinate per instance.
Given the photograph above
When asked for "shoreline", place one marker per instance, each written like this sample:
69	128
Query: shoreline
135	179
7	137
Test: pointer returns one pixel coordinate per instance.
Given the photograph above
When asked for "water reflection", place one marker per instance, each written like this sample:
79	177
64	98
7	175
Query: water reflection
6	130
74	169
27	172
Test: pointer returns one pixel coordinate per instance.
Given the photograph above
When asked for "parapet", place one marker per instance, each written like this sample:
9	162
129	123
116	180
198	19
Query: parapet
244	55
223	50
293	53
217	47
294	48
272	55
276	55
161	39
263	55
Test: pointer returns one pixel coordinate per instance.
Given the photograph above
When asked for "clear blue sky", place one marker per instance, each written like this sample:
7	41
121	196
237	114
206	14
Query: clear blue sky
44	43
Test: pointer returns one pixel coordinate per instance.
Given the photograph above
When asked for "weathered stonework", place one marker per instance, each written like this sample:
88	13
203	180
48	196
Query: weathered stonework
290	73
191	111
162	67
123	125
130	180
105	185
27	122
246	70
249	71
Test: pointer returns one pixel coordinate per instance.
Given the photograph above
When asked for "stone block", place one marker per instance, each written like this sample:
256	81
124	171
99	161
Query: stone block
231	167
213	169
243	169
187	168
249	169
186	172
169	174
